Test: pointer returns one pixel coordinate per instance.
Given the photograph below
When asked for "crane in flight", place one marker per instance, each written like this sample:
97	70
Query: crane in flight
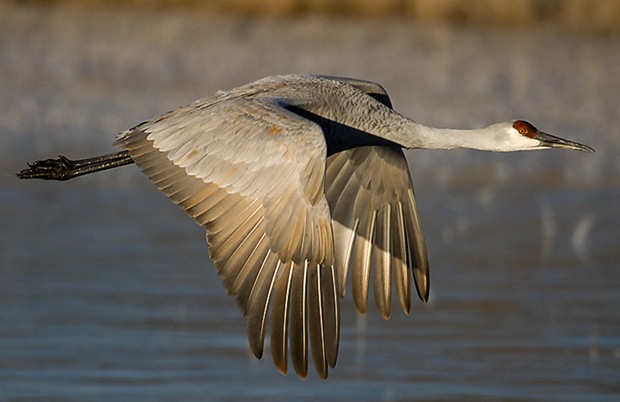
296	179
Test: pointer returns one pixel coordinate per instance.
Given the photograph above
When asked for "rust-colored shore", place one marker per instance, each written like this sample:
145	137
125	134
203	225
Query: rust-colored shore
599	16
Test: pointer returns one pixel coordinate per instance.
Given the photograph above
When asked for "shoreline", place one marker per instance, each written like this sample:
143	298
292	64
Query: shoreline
600	17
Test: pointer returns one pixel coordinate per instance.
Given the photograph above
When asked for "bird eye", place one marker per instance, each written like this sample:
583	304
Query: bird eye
524	128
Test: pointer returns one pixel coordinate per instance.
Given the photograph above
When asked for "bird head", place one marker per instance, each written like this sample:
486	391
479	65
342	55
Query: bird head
525	136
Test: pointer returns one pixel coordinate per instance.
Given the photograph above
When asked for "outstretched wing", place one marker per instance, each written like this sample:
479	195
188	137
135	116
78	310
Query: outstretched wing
252	173
375	222
375	219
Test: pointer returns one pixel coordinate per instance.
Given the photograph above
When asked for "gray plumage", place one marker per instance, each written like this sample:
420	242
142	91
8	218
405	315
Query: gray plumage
298	179
282	215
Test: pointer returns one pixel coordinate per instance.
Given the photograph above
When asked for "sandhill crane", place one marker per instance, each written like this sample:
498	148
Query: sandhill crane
296	178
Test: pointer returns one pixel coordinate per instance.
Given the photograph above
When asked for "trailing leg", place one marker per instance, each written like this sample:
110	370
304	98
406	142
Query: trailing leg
65	169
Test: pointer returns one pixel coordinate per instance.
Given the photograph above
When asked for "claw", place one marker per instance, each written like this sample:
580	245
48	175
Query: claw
48	169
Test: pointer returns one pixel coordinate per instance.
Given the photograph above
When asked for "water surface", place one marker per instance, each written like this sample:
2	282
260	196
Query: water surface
107	292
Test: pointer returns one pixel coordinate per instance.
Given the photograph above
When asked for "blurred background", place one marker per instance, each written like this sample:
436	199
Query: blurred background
106	289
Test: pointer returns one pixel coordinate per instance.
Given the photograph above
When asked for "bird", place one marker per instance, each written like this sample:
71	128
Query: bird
297	180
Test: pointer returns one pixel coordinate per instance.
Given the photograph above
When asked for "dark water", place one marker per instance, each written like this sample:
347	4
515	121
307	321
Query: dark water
106	289
107	292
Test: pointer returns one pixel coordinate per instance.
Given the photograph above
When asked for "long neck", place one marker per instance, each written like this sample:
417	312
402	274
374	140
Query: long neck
348	128
411	134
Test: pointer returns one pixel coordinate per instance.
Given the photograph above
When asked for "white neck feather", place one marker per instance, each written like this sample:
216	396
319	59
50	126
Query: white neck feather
497	137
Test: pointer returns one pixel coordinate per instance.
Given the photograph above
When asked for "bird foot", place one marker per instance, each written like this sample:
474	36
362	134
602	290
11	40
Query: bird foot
49	169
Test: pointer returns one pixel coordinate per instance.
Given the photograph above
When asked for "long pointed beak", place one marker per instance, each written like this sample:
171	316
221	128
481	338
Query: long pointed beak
551	141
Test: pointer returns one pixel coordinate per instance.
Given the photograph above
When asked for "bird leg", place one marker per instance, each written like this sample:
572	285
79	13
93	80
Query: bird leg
65	169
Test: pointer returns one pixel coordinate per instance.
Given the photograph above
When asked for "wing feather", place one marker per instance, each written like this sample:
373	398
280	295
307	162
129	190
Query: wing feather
298	320
362	252
402	279
258	303
279	320
323	316
238	250
234	249
382	254
376	225
249	271
193	205
316	317
387	166
415	237
235	164
233	219
331	311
